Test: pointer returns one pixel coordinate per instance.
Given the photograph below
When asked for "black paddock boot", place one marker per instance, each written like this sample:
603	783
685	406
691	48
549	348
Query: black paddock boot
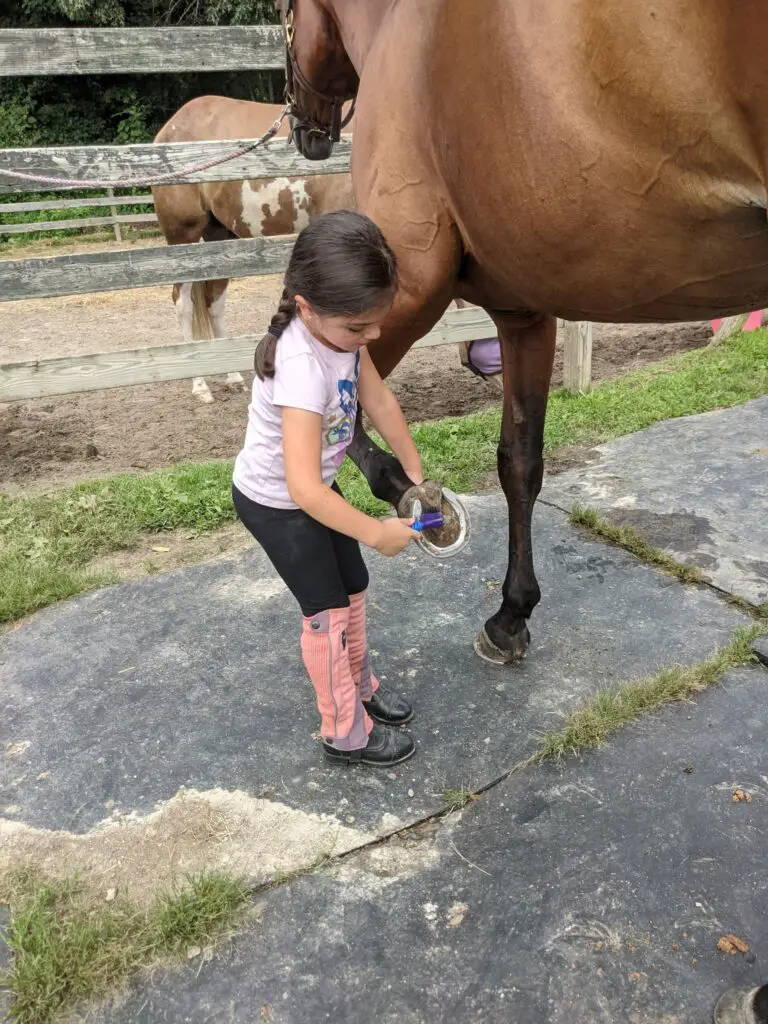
388	707
385	748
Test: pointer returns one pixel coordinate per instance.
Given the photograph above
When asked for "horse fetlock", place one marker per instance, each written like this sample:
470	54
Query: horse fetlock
386	477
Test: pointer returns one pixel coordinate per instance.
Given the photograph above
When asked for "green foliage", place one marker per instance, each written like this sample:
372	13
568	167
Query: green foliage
124	108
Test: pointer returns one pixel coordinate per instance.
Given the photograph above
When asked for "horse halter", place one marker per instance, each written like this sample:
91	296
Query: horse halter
294	75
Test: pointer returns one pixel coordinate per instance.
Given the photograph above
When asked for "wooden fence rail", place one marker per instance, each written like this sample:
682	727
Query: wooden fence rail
122	51
77	222
139	268
113	220
144	199
42	378
122	165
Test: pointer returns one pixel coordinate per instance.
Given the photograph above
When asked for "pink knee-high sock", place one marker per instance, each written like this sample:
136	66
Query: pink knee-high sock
324	647
357	640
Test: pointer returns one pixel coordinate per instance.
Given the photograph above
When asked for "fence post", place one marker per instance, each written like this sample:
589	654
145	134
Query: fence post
113	211
577	356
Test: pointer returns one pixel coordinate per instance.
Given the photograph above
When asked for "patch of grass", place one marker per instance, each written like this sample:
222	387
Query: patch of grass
689	383
629	539
617	706
67	948
46	542
455	799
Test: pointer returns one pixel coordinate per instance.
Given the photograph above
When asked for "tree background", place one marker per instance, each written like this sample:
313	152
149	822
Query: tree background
119	108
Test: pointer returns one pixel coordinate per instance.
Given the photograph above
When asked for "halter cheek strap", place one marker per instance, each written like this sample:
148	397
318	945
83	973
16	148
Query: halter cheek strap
294	75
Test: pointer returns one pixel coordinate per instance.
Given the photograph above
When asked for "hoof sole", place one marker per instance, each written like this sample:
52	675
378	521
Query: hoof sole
488	651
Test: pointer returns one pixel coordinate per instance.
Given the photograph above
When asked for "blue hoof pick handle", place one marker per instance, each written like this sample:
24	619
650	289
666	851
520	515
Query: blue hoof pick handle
429	521
435	520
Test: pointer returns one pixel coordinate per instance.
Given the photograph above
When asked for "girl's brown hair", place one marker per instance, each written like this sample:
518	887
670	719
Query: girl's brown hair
341	264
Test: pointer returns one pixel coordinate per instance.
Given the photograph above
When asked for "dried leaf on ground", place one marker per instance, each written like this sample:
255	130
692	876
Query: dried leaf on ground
740	795
732	944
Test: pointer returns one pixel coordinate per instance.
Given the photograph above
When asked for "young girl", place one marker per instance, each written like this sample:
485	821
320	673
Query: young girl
312	367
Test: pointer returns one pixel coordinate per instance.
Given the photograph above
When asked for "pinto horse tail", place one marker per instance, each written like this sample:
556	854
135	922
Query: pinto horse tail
203	328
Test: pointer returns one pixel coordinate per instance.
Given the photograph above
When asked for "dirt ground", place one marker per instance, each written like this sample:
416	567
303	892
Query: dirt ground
52	442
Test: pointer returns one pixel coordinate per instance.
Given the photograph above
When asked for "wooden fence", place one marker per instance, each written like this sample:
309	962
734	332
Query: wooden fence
79	168
113	220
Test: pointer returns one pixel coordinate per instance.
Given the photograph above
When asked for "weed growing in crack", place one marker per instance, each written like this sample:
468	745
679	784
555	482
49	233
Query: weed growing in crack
455	799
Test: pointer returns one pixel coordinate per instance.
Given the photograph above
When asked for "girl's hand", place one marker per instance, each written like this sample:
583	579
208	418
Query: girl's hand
415	474
395	535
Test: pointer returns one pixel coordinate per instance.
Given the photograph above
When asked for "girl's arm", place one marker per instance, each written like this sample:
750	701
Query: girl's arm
302	450
385	414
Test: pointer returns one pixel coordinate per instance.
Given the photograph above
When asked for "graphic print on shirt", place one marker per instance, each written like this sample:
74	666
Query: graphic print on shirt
341	427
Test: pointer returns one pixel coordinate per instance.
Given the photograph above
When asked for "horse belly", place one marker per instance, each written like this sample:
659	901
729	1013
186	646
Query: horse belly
605	254
596	179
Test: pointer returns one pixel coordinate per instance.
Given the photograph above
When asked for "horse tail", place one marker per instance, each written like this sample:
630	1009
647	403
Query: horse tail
203	328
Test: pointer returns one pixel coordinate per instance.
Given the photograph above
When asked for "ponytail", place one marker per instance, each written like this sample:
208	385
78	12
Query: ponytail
264	356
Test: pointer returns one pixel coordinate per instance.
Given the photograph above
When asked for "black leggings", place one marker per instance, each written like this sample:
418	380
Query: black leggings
320	567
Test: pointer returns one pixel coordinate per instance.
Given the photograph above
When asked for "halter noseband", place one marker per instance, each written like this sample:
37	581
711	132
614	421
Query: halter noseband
294	75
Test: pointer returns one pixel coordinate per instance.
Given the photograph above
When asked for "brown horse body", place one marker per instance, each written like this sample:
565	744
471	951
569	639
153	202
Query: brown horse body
219	210
587	159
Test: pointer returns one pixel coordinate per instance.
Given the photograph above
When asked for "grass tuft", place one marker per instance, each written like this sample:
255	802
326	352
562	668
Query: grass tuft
759	612
629	539
617	706
68	948
455	799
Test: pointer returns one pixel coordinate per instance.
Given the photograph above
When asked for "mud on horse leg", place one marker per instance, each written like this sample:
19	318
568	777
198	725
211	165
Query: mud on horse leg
527	349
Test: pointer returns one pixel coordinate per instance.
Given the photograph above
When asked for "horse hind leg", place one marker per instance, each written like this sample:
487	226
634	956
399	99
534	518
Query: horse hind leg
183	220
216	298
195	323
216	294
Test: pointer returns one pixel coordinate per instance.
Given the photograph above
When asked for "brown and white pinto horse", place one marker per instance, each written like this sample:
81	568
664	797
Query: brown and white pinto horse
218	210
598	160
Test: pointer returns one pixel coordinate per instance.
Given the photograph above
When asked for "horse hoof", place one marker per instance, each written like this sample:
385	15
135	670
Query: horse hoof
430	494
201	390
488	651
453	536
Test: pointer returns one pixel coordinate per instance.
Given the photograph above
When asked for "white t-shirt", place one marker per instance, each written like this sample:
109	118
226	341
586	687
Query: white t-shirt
308	375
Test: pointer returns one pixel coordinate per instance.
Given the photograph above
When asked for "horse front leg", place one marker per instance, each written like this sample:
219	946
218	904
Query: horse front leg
527	352
426	285
387	479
